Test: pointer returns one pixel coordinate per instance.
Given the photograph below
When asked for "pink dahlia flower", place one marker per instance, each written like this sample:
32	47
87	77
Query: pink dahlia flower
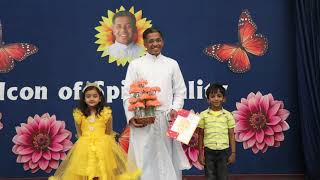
260	122
1	125
192	152
41	143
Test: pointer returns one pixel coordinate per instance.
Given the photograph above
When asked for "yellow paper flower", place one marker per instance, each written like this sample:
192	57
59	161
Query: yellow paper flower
105	36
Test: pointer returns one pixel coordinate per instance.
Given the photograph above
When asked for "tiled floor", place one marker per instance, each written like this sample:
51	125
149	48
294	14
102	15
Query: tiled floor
254	177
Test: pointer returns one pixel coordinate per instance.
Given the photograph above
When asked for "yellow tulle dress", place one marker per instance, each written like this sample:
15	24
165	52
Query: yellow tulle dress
96	153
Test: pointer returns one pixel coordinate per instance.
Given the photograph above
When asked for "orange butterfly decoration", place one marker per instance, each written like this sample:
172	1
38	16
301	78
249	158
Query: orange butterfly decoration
249	42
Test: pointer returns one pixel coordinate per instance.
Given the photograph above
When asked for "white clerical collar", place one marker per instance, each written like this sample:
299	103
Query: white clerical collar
123	46
153	56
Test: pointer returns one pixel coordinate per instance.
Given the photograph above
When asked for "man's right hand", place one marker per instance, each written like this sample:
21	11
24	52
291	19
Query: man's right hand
134	123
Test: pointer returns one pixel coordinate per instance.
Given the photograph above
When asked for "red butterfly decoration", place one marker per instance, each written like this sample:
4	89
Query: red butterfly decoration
123	139
14	51
249	42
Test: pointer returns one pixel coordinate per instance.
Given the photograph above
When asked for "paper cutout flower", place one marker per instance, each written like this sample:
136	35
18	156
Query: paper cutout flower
260	122
1	125
105	37
41	143
192	152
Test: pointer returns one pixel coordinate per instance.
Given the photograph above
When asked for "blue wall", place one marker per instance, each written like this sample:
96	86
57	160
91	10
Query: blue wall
64	32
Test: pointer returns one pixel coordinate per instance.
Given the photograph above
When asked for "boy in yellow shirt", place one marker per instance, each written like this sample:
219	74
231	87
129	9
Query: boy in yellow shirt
217	135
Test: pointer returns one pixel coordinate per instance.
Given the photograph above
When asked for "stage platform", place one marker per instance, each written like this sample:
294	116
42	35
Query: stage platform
231	177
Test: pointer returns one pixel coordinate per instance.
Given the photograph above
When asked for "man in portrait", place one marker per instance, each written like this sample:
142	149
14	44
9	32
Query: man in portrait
124	31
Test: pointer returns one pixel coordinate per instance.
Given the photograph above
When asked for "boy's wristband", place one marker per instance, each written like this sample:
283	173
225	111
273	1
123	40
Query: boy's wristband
233	152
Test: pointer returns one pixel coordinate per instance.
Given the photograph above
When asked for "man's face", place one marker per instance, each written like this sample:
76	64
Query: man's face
154	43
122	30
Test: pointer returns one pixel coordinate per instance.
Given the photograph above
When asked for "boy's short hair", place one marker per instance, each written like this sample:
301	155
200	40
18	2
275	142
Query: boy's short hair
214	88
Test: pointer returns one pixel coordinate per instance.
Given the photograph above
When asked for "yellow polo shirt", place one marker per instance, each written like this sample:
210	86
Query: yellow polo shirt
216	125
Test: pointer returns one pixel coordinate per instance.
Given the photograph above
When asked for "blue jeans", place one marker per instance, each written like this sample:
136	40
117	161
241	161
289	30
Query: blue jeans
216	164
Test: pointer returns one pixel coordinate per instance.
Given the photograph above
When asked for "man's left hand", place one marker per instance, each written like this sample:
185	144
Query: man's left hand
173	114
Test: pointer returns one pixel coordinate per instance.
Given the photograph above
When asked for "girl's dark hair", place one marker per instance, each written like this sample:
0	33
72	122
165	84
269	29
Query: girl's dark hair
214	88
84	107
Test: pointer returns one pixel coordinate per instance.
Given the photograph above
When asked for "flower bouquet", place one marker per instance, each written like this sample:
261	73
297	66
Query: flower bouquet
143	102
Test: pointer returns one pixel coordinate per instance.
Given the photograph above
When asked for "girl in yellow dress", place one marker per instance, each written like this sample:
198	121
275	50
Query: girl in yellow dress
95	155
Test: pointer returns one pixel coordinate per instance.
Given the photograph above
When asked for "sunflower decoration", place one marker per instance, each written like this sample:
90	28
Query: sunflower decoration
106	38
